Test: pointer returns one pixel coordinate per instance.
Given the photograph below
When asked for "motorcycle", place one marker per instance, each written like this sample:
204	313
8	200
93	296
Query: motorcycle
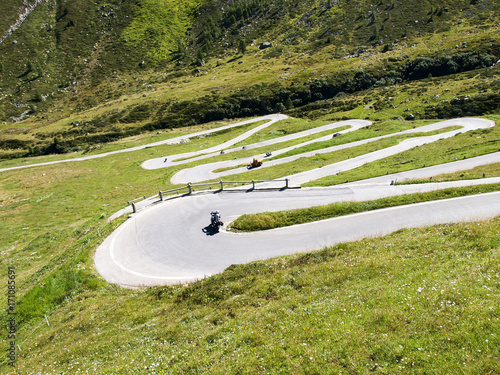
215	220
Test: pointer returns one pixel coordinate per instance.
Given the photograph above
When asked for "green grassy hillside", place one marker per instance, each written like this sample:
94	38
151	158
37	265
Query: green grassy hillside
88	73
85	77
10	11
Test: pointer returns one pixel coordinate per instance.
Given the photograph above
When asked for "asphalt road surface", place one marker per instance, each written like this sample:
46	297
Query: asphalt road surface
172	242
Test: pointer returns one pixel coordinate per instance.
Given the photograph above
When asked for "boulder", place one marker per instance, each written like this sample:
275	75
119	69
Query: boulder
265	45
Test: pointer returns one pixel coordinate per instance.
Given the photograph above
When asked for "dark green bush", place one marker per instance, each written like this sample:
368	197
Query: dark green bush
139	113
465	106
422	67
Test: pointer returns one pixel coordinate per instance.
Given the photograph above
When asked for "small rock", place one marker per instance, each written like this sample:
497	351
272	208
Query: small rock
265	45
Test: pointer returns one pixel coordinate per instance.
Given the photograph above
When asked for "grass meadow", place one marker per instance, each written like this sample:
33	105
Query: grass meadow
416	301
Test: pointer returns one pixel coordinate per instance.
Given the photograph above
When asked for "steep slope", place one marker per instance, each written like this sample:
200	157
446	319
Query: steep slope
8	10
70	57
60	43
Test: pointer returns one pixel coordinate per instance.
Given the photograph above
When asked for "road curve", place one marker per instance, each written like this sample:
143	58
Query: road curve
189	157
167	244
171	141
207	171
171	243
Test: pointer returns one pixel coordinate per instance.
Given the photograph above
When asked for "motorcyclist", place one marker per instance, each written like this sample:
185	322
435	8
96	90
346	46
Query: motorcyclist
216	219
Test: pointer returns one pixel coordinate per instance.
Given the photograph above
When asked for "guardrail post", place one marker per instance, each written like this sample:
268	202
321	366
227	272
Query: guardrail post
221	185
190	188
253	184
161	195
133	208
286	183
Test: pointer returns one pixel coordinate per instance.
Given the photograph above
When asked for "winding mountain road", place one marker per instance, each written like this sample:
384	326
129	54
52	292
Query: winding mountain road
171	242
171	141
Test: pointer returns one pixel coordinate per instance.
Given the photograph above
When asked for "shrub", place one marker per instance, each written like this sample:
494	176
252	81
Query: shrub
465	106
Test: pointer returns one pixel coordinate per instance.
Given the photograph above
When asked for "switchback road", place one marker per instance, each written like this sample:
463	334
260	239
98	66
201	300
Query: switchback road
171	242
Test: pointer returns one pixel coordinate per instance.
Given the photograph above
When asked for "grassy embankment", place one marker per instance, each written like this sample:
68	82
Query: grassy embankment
471	174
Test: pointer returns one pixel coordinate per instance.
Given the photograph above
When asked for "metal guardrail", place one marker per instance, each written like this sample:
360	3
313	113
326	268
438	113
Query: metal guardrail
190	188
136	200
